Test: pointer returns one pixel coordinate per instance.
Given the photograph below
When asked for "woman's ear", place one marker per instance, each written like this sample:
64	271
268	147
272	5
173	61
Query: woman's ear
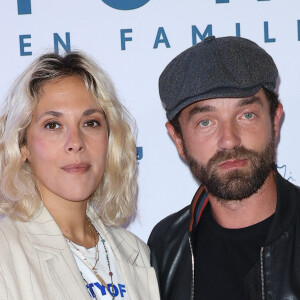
24	153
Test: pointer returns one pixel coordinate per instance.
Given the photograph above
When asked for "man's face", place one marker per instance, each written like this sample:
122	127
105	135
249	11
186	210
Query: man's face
229	143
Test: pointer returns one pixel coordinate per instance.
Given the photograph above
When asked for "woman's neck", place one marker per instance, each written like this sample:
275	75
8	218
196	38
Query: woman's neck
72	220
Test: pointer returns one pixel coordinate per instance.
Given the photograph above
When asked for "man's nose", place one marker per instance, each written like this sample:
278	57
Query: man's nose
229	136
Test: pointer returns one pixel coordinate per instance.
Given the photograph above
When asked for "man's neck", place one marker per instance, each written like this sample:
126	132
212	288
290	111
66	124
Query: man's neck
249	211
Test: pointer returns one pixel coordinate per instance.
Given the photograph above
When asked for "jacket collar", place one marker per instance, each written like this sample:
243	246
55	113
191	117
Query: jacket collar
199	202
46	237
55	254
287	194
117	242
44	234
125	253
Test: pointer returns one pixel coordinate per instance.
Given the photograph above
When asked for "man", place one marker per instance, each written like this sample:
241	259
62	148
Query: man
240	237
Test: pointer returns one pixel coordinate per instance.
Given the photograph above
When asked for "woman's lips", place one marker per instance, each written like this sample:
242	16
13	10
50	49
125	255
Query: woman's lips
233	163
76	168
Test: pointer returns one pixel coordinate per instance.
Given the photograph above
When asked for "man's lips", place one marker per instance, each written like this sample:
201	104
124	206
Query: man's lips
233	163
79	168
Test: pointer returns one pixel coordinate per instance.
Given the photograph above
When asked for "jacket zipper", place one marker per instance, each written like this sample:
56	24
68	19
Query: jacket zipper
193	268
262	273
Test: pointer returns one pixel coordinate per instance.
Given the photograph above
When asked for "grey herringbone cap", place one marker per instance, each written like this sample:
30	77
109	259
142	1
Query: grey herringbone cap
227	67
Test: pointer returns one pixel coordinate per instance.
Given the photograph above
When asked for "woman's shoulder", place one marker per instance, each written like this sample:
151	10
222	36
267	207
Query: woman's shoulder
129	244
128	236
118	233
8	227
10	232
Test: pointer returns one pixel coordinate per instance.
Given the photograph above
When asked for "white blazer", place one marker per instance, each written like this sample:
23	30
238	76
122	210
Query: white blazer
37	263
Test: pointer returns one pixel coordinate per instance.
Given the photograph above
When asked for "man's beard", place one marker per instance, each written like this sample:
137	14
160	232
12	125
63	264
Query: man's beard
235	184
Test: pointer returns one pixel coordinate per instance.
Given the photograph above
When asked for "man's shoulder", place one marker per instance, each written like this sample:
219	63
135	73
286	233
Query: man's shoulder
287	190
174	224
294	193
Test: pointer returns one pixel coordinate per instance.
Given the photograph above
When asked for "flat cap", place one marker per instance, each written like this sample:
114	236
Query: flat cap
227	67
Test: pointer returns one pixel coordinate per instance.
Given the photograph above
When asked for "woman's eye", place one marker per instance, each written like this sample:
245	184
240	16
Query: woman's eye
91	123
248	115
52	125
204	123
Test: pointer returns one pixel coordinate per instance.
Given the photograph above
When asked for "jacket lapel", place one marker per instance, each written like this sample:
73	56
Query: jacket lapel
58	263
55	257
137	277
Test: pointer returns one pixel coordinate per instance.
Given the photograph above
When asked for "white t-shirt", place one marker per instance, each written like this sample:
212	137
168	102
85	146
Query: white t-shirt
92	283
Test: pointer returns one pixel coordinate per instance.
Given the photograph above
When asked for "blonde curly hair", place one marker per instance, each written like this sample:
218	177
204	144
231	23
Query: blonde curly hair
115	198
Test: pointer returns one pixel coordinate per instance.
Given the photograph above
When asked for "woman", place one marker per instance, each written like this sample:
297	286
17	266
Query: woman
67	169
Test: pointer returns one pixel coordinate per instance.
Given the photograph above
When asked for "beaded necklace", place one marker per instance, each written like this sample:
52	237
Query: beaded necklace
93	295
94	232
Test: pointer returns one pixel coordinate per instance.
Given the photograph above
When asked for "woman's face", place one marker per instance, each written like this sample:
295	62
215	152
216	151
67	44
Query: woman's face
67	141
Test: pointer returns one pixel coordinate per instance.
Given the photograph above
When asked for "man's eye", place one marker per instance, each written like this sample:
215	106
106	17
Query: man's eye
204	123
52	125
91	123
248	115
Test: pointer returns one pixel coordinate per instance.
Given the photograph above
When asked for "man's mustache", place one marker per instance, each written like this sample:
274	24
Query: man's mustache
236	153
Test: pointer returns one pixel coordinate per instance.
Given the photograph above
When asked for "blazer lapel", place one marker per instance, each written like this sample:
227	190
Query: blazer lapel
64	274
55	257
138	279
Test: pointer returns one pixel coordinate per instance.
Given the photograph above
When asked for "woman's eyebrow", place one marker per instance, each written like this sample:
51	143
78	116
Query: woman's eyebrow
50	113
59	114
92	111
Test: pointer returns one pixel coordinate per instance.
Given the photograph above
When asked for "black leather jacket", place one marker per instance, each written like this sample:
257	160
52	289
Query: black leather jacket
275	276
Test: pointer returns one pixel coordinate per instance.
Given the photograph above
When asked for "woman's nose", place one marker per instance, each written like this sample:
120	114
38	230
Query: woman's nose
74	142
